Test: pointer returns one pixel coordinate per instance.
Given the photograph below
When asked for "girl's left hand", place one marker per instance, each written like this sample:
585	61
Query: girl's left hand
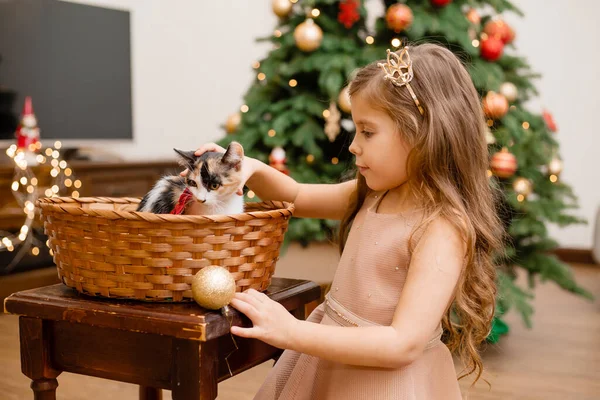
273	324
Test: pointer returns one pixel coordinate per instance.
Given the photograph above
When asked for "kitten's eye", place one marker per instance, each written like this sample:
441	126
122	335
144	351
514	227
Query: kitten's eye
214	186
191	183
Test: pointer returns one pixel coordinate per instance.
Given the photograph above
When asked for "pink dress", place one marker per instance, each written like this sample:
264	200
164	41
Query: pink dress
365	291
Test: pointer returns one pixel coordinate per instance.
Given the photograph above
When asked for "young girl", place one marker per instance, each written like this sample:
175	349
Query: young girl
418	228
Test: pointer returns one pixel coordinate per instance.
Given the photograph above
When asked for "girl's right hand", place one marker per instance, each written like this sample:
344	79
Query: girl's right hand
247	165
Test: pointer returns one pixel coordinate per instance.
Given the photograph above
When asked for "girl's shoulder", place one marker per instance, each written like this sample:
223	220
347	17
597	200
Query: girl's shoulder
440	231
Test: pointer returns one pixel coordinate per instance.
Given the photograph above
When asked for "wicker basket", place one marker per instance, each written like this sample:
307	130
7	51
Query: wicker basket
103	247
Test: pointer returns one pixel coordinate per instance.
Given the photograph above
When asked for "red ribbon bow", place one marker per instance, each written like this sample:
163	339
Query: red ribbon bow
185	199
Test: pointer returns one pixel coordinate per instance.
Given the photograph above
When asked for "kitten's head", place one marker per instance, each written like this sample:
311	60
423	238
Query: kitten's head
213	177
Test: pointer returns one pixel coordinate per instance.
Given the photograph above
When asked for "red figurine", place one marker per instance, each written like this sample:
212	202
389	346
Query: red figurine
27	132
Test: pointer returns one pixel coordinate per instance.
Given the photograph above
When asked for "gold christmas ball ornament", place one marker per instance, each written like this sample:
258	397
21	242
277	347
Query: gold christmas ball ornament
555	166
522	186
232	123
213	287
510	91
308	36
495	105
473	16
344	100
281	8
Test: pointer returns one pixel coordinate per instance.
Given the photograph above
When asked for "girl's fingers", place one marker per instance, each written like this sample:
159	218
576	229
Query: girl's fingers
245	308
263	296
244	332
248	298
209	147
255	294
184	172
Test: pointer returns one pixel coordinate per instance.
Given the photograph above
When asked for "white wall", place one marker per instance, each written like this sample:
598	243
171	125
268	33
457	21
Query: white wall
192	60
561	40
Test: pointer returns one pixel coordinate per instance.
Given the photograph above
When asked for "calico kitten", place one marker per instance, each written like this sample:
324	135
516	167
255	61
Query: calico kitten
213	180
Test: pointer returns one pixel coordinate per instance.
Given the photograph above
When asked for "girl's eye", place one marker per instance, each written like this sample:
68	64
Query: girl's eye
367	134
191	183
214	186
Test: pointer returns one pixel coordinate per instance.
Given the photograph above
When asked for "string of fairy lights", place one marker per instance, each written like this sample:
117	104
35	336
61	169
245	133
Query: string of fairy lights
27	188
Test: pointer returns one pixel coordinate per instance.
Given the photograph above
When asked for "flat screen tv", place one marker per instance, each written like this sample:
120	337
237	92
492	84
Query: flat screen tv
74	61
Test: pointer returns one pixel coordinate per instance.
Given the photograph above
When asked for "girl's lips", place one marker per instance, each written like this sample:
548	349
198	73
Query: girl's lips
361	169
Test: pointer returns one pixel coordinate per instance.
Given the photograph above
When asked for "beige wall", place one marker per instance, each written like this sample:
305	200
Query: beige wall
191	68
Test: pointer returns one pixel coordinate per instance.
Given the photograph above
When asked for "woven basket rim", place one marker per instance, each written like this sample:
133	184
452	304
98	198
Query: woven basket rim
73	206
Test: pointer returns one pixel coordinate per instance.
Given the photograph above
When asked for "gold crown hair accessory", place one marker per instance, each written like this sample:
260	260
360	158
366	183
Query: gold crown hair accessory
398	70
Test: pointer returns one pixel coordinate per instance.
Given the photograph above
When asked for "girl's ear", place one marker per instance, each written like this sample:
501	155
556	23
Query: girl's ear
186	159
234	155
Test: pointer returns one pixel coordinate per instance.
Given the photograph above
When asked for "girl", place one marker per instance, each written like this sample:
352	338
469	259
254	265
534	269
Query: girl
418	228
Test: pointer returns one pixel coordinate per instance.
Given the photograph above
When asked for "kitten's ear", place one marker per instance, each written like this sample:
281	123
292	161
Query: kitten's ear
186	159
234	155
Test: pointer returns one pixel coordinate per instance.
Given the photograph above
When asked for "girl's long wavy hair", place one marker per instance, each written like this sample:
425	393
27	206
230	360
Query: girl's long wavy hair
447	170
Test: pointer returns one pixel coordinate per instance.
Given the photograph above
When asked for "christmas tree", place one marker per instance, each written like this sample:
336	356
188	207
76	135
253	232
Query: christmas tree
299	103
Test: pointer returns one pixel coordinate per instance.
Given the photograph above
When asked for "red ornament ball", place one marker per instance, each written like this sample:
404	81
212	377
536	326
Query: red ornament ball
399	17
504	164
491	48
440	3
495	105
499	29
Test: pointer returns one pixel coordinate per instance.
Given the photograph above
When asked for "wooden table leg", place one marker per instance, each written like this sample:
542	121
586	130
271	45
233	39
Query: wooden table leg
150	393
195	370
35	358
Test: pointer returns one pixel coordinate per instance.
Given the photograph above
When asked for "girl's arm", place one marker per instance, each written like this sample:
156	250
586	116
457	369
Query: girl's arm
433	273
311	200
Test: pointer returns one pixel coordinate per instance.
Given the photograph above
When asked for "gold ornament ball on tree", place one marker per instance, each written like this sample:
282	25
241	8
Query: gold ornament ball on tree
509	90
503	164
308	36
555	166
495	105
213	287
523	186
281	8
232	123
399	17
344	100
473	16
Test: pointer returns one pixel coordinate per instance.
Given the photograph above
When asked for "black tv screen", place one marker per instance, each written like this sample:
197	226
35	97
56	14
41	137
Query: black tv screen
74	61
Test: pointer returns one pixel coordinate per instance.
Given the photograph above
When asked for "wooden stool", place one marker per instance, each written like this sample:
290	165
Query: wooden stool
175	346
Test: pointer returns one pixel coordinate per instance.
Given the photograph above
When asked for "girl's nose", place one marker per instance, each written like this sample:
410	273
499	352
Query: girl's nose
354	148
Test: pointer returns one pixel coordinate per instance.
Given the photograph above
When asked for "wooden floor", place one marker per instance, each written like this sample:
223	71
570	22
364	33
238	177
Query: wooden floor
558	359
